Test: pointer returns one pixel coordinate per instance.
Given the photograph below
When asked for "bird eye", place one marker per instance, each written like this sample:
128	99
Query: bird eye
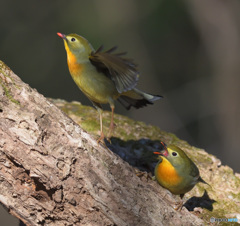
73	39
174	153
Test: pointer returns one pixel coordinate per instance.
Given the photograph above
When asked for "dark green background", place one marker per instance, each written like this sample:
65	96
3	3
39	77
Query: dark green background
187	51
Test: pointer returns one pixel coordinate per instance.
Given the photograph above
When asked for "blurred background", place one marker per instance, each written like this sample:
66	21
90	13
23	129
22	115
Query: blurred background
188	51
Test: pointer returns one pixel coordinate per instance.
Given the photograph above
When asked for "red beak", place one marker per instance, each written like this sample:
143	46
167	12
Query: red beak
162	153
63	36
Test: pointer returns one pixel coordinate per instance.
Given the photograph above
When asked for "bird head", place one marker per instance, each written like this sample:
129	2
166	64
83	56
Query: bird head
175	156
77	45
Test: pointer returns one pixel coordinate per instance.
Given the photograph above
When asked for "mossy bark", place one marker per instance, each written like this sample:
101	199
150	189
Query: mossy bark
53	172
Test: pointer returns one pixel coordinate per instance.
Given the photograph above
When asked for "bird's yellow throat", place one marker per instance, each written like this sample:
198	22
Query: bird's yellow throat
73	65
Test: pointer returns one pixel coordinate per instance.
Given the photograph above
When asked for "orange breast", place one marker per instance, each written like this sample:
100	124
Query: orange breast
74	67
166	174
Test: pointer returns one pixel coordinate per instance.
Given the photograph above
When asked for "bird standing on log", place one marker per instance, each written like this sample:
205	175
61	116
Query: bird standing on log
175	171
104	76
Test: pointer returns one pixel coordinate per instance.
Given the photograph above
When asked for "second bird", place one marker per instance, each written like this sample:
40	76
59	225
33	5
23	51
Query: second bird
104	76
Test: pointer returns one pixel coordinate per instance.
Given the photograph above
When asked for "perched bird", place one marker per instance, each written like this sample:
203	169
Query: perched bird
104	76
175	171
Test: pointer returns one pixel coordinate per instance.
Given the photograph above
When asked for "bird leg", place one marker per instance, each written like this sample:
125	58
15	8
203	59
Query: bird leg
111	127
101	138
175	205
178	206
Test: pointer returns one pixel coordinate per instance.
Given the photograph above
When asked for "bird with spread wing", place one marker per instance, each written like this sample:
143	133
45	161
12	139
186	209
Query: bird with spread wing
104	76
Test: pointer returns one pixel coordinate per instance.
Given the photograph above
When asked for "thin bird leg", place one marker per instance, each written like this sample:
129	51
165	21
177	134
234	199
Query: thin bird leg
101	138
111	128
99	109
179	205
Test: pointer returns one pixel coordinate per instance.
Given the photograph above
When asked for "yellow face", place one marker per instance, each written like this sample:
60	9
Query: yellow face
176	157
78	46
75	44
78	50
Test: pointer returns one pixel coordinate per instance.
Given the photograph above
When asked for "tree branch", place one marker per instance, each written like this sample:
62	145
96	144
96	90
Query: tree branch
52	172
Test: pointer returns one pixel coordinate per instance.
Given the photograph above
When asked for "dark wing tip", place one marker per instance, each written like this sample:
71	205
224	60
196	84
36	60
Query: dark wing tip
98	50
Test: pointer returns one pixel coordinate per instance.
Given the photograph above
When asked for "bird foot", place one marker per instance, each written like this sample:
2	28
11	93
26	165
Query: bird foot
178	206
109	140
101	138
175	205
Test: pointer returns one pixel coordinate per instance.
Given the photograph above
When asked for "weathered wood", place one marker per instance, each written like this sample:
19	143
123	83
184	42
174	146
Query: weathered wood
54	173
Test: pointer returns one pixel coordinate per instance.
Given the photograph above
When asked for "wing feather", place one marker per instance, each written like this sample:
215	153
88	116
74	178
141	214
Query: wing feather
122	71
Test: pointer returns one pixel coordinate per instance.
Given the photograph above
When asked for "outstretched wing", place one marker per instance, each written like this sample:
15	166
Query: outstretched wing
122	71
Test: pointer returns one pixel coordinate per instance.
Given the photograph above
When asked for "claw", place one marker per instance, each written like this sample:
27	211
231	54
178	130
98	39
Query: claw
101	138
178	206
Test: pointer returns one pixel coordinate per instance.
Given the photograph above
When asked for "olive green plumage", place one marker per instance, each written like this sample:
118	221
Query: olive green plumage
104	76
175	171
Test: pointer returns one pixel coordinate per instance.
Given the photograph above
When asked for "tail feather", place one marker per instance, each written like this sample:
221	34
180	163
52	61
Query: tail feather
203	181
138	99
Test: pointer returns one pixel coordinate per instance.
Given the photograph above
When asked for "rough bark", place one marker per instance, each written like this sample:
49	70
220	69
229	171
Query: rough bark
52	172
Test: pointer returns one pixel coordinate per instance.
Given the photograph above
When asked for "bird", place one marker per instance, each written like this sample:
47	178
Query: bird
104	76
175	171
